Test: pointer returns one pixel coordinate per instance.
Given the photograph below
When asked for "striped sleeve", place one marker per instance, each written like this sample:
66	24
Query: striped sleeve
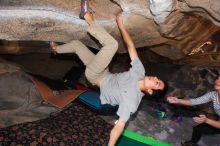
203	99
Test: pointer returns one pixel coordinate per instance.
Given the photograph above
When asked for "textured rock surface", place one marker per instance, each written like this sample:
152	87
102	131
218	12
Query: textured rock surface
20	100
172	28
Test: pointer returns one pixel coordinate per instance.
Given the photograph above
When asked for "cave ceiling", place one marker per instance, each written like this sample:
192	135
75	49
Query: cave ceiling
186	31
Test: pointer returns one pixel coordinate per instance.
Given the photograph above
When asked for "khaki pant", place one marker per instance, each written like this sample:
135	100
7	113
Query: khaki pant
96	65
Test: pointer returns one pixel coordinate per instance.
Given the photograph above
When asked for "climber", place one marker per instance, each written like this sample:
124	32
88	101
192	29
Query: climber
123	89
206	125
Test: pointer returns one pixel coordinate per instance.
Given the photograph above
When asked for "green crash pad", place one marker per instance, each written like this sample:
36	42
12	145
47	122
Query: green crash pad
130	138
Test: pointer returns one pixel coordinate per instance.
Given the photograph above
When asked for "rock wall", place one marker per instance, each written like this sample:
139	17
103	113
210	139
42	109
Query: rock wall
172	28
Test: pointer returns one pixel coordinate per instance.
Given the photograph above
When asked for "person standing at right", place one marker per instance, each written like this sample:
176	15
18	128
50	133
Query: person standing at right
206	125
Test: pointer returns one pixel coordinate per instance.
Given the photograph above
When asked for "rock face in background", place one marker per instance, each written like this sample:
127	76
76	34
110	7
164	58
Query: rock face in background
184	31
18	97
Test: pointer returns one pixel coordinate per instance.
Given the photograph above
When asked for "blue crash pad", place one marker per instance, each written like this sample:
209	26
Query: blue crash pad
91	98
